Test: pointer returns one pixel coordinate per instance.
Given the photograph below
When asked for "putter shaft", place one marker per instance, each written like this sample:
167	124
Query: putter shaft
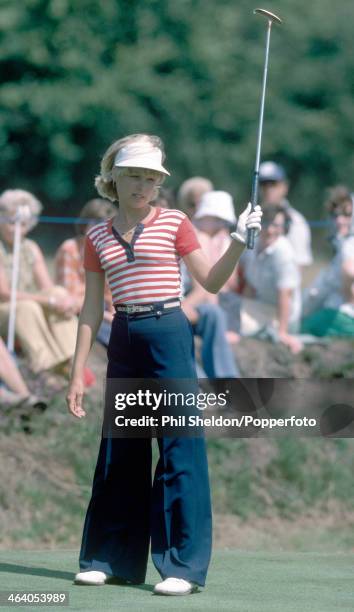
255	182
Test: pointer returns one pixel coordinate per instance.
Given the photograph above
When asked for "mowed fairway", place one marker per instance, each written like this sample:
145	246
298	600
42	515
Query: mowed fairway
238	581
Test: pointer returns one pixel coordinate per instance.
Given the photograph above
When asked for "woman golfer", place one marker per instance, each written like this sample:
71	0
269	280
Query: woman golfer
139	251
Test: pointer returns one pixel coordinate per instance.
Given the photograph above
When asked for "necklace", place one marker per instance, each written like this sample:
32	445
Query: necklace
131	230
126	232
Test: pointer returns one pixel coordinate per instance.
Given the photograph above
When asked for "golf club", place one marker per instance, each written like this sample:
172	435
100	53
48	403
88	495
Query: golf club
254	197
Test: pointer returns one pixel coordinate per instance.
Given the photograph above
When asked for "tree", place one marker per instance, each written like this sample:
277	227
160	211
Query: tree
78	74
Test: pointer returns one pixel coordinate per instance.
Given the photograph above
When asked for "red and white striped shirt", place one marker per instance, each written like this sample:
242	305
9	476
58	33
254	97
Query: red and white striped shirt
147	269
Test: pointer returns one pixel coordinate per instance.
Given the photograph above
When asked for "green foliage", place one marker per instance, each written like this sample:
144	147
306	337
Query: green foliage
78	74
285	477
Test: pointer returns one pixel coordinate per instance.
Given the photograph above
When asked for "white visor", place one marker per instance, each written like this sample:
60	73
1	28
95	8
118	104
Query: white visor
140	155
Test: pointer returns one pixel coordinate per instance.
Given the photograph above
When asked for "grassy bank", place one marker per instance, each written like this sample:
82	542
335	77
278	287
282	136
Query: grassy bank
45	483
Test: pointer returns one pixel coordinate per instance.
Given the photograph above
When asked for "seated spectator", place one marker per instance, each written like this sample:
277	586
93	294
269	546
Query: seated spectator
215	218
45	322
274	189
69	262
190	193
272	294
329	301
207	319
16	392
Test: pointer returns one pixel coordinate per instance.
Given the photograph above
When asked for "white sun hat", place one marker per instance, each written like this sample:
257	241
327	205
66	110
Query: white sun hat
216	204
141	154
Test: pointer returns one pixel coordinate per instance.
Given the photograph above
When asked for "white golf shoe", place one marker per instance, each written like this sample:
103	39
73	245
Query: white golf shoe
91	577
175	586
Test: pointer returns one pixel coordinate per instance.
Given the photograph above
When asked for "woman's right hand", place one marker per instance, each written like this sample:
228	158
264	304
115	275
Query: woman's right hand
74	398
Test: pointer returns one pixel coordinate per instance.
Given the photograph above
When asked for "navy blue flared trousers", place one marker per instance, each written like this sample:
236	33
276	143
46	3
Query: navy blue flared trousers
127	508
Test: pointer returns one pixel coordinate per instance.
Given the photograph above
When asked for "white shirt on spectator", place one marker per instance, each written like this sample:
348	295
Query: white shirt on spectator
272	269
326	290
299	236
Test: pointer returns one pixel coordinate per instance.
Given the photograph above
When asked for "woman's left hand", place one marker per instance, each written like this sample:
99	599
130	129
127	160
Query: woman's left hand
74	398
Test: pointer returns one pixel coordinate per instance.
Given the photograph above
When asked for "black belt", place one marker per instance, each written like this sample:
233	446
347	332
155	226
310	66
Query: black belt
156	307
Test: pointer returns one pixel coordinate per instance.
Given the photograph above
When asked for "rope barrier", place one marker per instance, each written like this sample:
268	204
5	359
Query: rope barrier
44	219
76	220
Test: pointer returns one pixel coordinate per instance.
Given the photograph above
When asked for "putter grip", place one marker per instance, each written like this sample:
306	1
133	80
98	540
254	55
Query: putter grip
250	237
251	233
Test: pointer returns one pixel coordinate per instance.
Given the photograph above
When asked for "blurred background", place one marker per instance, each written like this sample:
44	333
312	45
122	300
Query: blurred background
77	74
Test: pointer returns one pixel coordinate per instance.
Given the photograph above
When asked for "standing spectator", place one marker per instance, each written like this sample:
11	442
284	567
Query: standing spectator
191	192
69	262
274	189
45	322
329	301
272	294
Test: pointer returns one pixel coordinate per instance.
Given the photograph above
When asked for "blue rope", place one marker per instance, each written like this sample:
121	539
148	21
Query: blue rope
66	220
319	223
45	219
69	220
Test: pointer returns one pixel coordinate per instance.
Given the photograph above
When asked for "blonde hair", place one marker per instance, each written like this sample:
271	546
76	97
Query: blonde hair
104	182
12	199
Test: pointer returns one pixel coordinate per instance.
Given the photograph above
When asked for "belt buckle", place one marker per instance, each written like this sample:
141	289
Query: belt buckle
131	308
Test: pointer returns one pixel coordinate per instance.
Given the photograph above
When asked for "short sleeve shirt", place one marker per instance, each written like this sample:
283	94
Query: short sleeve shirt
326	290
147	269
69	269
272	269
299	236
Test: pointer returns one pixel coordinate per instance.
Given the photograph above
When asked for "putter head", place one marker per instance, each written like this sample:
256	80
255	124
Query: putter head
270	16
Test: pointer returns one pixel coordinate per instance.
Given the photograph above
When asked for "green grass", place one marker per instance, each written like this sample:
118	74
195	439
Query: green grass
237	580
